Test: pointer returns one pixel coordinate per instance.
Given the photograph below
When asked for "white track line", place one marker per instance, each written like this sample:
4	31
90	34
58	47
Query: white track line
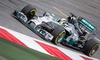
60	11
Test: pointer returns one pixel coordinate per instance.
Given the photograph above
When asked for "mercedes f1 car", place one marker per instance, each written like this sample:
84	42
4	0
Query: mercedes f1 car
75	32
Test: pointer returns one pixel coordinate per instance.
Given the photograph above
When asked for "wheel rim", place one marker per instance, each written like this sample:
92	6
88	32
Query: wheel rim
33	11
60	37
94	49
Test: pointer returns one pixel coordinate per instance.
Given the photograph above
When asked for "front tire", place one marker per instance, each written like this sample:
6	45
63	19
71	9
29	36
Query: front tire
90	47
29	11
59	34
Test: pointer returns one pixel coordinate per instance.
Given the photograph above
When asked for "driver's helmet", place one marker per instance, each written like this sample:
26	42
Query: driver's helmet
61	21
72	20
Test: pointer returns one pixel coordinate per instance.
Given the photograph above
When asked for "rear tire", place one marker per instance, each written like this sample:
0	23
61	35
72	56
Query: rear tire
59	34
90	47
29	11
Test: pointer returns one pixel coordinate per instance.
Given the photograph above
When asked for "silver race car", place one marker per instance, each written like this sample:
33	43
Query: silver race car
74	32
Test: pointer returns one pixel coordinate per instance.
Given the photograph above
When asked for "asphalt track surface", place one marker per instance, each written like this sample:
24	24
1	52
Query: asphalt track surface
89	9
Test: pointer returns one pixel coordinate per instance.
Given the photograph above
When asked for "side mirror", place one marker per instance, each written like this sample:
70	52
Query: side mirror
46	14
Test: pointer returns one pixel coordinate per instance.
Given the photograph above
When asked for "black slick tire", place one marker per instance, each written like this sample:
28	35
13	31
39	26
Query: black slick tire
57	32
90	46
28	10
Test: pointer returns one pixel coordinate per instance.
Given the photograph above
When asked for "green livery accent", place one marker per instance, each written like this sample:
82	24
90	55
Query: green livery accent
13	51
87	24
72	41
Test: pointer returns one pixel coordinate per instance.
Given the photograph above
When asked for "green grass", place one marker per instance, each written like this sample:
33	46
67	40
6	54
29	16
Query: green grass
13	51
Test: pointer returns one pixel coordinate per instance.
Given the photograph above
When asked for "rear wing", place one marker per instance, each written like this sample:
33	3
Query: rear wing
86	24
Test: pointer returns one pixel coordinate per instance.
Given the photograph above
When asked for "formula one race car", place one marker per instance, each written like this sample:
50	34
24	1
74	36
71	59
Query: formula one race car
45	26
77	33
